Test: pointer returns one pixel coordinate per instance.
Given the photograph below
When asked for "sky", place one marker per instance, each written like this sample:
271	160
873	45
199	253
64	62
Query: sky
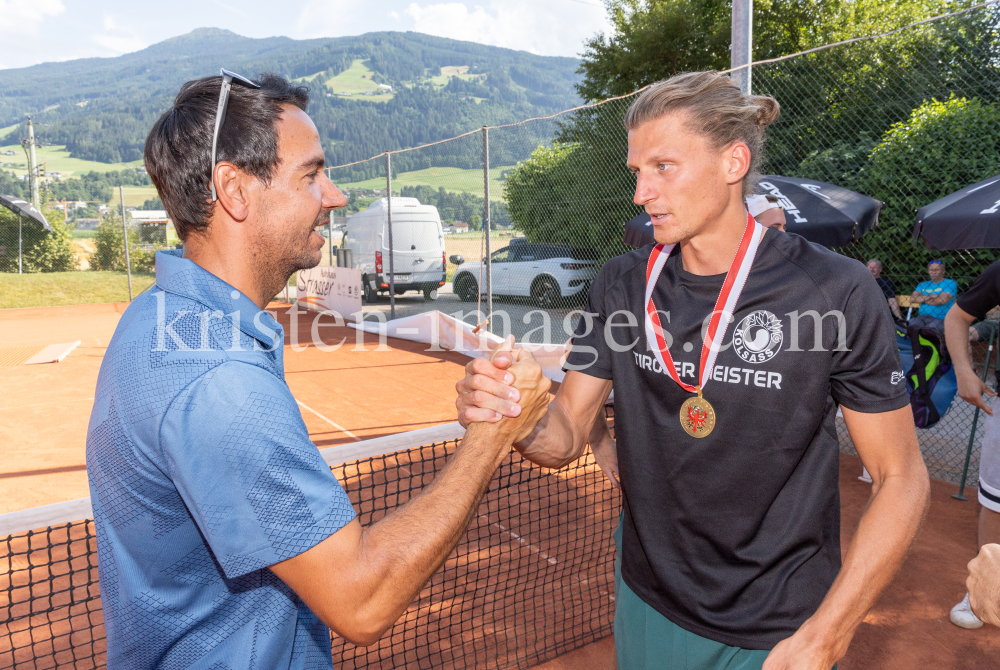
37	31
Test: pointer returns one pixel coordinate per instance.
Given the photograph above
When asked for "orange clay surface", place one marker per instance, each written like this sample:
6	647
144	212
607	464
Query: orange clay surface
44	411
908	627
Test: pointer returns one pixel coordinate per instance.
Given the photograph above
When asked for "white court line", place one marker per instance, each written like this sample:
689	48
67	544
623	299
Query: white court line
335	425
527	544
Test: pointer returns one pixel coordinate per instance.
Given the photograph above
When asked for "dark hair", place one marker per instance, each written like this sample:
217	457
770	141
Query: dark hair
716	108
178	151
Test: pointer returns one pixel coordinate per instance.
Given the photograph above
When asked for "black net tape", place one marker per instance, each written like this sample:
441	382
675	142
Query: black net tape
530	580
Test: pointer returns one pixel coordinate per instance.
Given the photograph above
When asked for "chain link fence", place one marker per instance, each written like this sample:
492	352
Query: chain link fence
906	117
81	259
525	214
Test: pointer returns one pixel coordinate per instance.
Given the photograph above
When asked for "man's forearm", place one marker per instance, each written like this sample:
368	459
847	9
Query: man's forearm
884	535
956	335
404	549
939	299
556	441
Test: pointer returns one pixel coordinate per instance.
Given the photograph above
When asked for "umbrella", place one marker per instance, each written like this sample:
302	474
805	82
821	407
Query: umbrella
639	231
25	209
823	213
966	219
820	212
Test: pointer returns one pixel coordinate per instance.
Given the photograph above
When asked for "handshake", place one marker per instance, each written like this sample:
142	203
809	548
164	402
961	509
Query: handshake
507	389
510	391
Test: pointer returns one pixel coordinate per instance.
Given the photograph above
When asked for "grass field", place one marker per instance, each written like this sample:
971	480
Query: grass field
449	71
57	159
46	289
4	131
134	196
452	179
355	80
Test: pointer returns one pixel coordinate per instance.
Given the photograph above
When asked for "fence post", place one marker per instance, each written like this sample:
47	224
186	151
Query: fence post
388	212
486	225
20	228
741	54
128	261
329	236
975	421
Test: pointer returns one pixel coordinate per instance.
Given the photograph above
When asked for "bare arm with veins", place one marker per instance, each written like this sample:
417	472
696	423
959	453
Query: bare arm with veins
887	444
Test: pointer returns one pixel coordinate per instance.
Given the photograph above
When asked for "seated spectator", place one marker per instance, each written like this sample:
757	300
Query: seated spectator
766	210
935	298
985	330
888	288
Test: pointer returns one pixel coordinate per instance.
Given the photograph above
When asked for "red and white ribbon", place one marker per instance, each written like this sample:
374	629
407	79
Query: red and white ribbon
725	305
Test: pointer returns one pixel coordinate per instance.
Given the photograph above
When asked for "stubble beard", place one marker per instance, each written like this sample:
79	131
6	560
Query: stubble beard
279	256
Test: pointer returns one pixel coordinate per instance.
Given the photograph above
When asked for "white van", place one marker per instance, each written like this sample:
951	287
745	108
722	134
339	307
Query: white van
419	261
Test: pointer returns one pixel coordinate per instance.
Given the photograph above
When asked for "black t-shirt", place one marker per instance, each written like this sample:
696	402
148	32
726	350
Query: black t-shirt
736	536
984	294
888	288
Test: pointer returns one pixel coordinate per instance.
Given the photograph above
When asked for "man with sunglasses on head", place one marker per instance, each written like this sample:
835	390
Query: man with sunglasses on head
224	541
726	396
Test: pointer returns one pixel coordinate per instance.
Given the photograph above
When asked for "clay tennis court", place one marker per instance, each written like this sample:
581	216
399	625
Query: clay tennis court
350	395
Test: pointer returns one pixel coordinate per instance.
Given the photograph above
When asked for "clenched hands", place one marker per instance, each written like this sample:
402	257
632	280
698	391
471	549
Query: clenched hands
510	384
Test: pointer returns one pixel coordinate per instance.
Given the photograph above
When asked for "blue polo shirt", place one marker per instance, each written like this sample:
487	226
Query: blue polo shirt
930	288
202	475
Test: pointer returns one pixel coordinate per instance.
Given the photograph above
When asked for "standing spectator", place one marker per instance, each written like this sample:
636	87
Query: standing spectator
935	297
888	288
981	297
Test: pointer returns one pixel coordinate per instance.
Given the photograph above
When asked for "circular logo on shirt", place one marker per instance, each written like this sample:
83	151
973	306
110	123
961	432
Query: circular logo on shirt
757	338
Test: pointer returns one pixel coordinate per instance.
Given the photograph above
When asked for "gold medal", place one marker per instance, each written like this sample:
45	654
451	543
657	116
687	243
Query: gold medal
697	416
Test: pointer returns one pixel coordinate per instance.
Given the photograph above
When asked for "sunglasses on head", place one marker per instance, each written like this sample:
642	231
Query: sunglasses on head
228	78
935	263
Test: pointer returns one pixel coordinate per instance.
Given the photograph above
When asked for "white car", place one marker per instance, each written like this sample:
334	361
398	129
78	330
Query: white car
547	273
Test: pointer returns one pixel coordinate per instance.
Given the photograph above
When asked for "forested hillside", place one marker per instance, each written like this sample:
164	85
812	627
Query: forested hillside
102	108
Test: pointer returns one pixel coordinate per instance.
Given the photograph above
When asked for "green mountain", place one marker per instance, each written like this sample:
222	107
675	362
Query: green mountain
102	108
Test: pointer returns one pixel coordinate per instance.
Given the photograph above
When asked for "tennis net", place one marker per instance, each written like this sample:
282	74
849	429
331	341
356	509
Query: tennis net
531	579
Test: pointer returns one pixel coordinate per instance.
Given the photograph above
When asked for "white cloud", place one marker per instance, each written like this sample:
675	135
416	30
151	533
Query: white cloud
27	15
335	18
117	38
542	27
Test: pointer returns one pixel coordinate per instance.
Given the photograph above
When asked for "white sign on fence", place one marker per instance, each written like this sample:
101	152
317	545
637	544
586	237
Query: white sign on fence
330	289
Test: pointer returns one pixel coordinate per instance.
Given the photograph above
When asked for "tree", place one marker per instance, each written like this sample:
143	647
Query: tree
943	146
550	202
655	39
41	250
109	253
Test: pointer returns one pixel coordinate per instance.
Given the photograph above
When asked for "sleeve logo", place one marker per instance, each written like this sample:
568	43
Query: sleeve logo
758	337
897	377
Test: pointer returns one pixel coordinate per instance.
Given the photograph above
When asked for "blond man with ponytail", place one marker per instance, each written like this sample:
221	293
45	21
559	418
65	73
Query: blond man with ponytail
730	348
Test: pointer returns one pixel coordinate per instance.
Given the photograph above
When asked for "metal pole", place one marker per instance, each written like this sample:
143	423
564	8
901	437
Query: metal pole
742	43
33	167
975	422
20	227
388	211
329	236
486	224
128	261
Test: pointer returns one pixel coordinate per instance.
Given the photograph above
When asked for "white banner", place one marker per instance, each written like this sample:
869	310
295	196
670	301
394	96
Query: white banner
330	289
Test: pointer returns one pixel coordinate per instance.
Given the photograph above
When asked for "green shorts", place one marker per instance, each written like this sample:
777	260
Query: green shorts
647	640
